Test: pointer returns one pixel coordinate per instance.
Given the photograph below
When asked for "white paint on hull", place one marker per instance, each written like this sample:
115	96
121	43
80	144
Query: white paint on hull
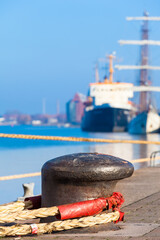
145	122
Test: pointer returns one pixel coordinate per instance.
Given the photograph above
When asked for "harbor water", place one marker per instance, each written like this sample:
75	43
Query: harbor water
19	156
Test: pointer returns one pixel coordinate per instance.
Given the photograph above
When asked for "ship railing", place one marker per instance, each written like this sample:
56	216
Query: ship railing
153	158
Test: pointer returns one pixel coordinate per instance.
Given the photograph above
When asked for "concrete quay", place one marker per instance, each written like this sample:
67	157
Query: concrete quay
141	207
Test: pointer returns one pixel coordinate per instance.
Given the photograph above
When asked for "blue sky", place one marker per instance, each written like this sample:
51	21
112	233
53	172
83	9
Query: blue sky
48	48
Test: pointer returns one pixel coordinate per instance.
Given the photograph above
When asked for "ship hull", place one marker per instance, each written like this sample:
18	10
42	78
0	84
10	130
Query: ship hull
105	120
145	122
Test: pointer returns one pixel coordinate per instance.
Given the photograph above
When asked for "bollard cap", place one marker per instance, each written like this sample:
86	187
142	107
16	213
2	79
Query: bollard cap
88	167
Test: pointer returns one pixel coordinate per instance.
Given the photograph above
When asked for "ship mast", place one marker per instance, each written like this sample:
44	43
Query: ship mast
111	71
144	65
144	96
96	74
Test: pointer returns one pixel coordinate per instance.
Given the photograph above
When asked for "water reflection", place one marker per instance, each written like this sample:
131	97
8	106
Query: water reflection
19	156
124	151
130	151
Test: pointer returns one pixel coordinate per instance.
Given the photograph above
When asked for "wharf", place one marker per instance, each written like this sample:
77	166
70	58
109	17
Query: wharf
141	207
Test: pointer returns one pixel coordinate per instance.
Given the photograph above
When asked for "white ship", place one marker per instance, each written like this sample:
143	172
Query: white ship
108	106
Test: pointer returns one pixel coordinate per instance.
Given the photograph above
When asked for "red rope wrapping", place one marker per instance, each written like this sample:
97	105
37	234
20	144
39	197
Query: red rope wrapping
115	201
86	208
81	209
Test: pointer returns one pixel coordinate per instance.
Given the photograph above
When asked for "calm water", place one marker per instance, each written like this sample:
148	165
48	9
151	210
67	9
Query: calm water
20	156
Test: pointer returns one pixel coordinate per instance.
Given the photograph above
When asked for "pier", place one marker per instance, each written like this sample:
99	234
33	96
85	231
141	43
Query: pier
141	207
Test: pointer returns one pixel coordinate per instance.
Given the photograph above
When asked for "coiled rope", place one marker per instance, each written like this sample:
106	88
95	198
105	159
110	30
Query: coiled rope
28	214
15	207
83	214
114	201
41	228
76	139
12	208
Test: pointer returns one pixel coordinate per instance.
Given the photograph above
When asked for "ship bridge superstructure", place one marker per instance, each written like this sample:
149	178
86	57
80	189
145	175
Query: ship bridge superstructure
109	93
108	106
114	94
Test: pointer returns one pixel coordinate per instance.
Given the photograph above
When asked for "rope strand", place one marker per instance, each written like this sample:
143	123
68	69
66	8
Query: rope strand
90	221
12	207
28	214
76	139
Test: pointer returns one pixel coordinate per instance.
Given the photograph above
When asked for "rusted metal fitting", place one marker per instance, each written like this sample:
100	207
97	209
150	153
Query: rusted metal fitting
28	191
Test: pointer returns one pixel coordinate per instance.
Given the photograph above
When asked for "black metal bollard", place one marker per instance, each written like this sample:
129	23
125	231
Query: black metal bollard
81	176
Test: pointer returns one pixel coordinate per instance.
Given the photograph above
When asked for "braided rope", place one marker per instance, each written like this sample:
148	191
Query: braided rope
28	214
15	207
12	207
76	139
20	176
28	204
60	225
7	217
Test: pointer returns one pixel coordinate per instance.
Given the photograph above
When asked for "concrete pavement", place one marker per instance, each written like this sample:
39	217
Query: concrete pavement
141	207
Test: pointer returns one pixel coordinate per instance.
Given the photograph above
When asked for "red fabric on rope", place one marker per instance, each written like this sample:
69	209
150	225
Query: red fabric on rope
85	208
82	209
115	201
91	207
121	217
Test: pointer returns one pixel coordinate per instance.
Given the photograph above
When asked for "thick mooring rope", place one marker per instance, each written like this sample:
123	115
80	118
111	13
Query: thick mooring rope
28	214
73	210
20	176
41	228
76	139
12	208
15	207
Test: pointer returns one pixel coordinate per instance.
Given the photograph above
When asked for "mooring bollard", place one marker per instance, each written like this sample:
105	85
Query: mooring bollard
71	180
81	176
